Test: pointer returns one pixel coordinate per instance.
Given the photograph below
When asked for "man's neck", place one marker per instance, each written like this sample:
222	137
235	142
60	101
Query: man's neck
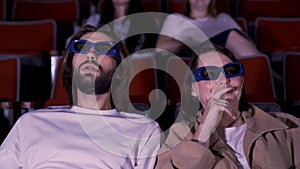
96	102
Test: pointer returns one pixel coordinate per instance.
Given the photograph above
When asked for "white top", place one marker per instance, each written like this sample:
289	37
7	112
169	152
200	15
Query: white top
234	137
80	138
180	26
121	28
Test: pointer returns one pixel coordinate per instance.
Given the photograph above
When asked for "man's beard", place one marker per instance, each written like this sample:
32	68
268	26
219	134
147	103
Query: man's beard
89	84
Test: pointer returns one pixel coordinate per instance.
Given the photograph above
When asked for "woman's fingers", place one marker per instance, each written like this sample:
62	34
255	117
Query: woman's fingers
213	113
219	93
217	106
223	105
218	97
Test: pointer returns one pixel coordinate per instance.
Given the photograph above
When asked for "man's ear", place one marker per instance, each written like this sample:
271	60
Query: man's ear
243	80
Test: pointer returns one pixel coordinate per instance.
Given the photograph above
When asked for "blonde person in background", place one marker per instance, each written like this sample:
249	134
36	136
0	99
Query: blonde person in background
220	28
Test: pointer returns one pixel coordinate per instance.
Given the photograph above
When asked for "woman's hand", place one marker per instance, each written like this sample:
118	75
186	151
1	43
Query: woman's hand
213	113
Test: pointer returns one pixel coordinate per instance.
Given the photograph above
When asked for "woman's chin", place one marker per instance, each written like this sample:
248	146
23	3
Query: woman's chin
226	121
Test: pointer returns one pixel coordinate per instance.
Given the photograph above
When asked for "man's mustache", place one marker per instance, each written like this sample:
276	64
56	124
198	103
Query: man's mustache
92	62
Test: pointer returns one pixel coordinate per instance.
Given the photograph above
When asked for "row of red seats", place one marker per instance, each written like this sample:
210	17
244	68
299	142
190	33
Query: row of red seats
146	81
262	94
248	9
57	10
282	32
64	11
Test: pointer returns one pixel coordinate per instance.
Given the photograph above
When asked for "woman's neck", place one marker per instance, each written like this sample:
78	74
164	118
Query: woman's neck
239	121
121	10
198	14
228	121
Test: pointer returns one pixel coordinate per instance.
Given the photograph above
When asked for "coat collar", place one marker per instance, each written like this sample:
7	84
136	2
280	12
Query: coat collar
259	122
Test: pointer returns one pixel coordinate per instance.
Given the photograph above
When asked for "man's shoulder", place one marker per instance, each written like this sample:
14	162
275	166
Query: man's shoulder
54	111
139	118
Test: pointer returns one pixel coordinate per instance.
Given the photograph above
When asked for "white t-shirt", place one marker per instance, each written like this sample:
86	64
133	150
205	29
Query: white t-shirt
81	138
184	28
234	137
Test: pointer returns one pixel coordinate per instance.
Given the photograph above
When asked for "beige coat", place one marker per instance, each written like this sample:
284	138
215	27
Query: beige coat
270	142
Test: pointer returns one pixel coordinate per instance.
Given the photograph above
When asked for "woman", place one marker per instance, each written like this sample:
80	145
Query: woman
228	132
124	25
220	28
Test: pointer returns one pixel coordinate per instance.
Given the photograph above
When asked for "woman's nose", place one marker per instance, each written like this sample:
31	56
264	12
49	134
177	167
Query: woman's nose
222	80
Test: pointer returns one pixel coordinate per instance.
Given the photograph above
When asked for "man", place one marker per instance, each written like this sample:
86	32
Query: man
92	133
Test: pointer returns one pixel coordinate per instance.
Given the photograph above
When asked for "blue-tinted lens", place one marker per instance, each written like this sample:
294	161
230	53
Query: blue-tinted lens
207	73
100	48
80	46
212	72
233	69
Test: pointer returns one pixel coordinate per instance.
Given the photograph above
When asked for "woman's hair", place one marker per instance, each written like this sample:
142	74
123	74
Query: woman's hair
108	13
193	64
67	70
212	10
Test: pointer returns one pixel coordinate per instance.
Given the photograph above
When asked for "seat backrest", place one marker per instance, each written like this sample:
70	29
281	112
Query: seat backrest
175	6
291	76
59	96
3	10
23	36
62	11
100	6
277	34
178	6
151	5
31	42
10	78
242	23
144	81
251	9
223	6
177	69
259	83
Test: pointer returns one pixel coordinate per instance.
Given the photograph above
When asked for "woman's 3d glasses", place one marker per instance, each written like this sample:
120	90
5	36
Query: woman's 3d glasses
100	48
212	72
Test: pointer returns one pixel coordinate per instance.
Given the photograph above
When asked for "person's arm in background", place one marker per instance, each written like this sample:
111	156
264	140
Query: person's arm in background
240	45
168	43
170	32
